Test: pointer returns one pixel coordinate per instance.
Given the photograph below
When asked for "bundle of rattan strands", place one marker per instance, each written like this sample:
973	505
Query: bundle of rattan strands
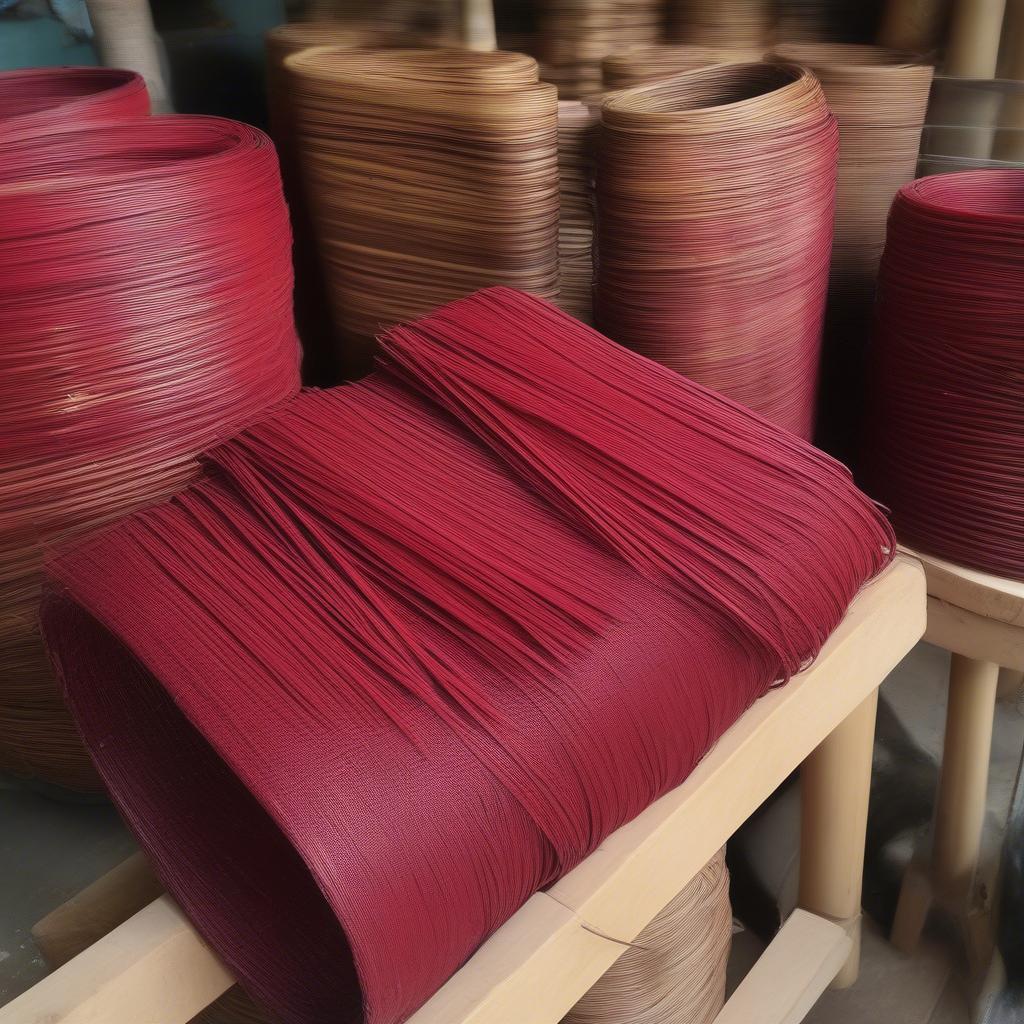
431	173
576	35
674	971
577	147
146	305
34	100
744	24
622	70
944	437
879	99
715	201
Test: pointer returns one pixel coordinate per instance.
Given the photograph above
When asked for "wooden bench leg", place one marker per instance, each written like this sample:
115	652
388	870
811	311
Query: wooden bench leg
835	784
959	803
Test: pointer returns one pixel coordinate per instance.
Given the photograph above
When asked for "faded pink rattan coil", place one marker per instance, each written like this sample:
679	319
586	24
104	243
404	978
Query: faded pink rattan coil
715	202
577	146
640	64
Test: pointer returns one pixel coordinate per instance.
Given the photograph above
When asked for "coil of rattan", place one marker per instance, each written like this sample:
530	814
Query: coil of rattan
744	24
641	64
944	437
715	200
879	98
576	35
431	173
147	313
577	147
674	971
36	99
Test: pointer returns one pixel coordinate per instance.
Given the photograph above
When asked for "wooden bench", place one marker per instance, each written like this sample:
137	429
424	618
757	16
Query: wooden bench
155	969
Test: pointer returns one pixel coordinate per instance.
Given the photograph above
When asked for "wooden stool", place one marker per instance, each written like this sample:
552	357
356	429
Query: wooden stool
980	619
535	967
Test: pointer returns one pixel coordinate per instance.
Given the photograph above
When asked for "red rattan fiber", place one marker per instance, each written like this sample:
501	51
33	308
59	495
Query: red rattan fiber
944	445
715	193
146	308
362	691
33	100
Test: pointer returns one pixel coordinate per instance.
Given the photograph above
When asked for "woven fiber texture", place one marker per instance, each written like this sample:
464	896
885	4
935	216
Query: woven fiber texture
35	100
879	99
575	35
674	971
642	64
944	436
363	660
715	193
431	173
147	314
577	150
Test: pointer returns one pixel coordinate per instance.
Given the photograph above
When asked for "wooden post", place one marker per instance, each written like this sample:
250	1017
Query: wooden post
478	25
835	784
1009	144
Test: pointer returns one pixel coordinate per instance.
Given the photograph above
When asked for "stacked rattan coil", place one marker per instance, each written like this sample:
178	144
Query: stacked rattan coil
576	35
744	24
641	64
147	313
944	436
715	198
879	98
577	147
674	971
431	173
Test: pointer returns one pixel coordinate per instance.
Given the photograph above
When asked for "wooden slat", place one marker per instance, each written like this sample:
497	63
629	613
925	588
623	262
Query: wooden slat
790	974
974	636
991	597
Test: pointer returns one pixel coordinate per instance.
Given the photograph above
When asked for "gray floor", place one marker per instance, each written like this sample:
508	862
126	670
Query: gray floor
50	850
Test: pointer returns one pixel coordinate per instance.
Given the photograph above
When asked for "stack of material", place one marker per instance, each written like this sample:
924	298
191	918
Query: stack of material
648	63
879	98
577	146
944	437
366	621
715	197
431	173
147	313
733	24
576	35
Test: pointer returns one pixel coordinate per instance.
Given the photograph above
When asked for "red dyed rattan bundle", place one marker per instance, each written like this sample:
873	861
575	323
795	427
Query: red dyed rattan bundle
879	98
34	100
944	439
576	35
715	199
577	149
641	64
146	303
430	173
362	623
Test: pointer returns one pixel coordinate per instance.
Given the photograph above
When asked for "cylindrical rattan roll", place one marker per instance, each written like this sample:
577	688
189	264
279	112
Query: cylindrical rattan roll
146	305
746	24
33	100
431	173
622	70
576	35
879	98
674	971
944	440
715	202
577	147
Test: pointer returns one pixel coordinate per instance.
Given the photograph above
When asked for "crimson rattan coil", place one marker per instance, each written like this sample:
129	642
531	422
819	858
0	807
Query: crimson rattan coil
622	70
674	971
33	100
879	98
146	304
944	438
431	173
715	201
577	145
576	35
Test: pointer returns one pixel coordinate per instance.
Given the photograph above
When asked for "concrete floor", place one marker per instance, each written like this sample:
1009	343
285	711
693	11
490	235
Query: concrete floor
49	850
